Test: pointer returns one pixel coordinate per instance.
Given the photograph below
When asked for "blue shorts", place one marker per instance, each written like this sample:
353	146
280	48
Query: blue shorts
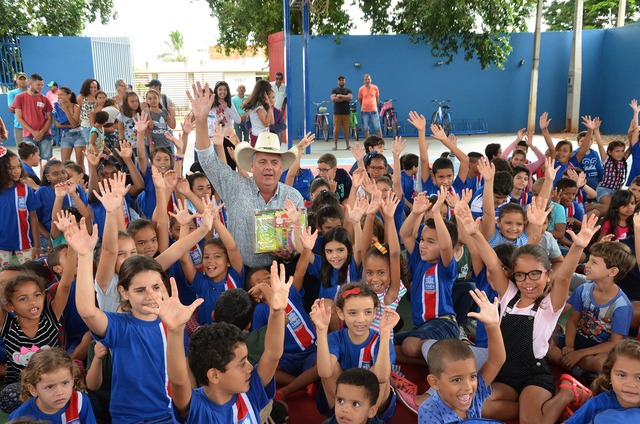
73	138
370	117
603	191
296	364
434	329
45	146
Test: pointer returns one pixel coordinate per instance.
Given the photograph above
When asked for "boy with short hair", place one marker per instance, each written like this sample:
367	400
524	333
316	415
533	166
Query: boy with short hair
328	169
357	391
574	211
409	178
230	389
474	177
442	170
460	389
520	193
601	314
372	144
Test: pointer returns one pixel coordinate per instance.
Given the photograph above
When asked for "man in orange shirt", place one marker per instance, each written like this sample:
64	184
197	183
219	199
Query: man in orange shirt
368	97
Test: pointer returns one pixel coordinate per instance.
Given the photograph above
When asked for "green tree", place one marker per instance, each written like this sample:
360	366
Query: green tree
52	17
176	44
480	28
597	14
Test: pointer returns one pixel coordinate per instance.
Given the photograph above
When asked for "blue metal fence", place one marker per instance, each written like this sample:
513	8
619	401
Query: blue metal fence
10	61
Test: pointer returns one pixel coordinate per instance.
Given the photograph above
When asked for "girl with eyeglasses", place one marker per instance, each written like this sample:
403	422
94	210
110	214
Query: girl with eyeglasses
530	303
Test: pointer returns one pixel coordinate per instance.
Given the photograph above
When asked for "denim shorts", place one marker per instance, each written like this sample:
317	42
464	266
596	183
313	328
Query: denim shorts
370	117
434	329
603	191
73	138
45	146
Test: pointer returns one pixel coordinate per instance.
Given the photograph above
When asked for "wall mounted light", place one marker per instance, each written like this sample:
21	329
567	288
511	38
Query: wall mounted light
439	63
357	64
521	63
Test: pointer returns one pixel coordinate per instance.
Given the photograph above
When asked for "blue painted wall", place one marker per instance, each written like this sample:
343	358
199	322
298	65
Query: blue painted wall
65	60
407	72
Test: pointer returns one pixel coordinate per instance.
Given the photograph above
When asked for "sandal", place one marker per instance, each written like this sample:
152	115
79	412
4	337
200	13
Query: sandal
398	382
408	400
581	394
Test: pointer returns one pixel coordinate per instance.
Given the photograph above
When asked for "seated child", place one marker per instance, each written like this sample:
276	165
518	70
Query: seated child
460	389
357	394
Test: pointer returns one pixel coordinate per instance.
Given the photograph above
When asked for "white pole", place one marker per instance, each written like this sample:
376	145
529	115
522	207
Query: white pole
574	82
535	66
622	11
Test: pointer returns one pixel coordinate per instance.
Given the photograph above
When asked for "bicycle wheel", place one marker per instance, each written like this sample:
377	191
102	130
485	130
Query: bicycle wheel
395	131
446	123
317	128
325	128
435	119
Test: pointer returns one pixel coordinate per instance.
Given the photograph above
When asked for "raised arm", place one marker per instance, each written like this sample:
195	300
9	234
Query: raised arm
160	217
295	167
408	230
382	367
201	100
511	147
388	210
355	213
233	253
64	287
126	153
451	143
445	245
544	127
321	316
397	146
142	123
490	317
488	171
420	122
585	146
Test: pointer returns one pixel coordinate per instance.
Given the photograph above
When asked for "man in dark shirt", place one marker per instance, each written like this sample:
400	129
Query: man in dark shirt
341	96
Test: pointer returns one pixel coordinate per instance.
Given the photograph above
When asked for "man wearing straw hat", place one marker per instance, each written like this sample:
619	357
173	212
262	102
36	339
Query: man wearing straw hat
242	195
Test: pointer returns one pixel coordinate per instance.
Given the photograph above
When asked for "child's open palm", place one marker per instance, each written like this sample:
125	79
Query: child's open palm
421	203
390	205
418	121
110	198
320	315
174	314
62	189
64	220
358	152
119	184
218	136
176	141
544	121
181	214
465	218
398	145
488	314
389	320
142	121
280	287
487	169
78	237
157	178
536	212
126	150
437	132
201	100
587	231
308	238
292	212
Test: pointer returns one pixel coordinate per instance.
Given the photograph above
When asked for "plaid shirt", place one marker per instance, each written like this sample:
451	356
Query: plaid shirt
615	173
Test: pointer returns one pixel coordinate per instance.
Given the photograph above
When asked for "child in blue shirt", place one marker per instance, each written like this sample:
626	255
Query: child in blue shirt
434	271
584	157
442	168
357	392
460	389
230	388
601	314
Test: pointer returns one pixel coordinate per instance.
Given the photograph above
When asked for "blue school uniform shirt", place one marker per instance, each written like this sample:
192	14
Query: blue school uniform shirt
475	183
482	283
16	204
563	167
300	336
477	209
431	287
141	390
147	199
77	411
185	291
634	171
210	291
242	408
353	275
352	355
74	326
301	182
458	185
591	164
498	238
603	401
100	214
434	410
409	185
47	196
597	322
398	215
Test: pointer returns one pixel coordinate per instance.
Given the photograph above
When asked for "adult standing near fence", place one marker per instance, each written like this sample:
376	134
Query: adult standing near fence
341	96
52	95
22	85
165	100
121	88
87	102
280	88
369	97
33	111
241	131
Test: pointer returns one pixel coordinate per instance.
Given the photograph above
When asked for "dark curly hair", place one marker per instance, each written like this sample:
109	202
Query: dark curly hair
5	173
213	346
14	284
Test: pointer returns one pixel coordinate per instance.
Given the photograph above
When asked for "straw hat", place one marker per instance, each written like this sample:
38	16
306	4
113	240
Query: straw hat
267	143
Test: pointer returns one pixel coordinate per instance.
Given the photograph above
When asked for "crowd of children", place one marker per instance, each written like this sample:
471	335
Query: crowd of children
126	295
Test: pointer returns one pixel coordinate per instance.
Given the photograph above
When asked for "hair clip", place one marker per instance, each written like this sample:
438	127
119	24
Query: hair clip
381	248
3	151
354	291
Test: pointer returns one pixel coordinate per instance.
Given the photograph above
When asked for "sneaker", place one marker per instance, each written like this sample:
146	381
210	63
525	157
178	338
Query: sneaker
463	336
408	400
279	412
470	327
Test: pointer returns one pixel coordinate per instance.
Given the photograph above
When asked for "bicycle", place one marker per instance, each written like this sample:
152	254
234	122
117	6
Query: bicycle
441	116
322	120
354	129
389	118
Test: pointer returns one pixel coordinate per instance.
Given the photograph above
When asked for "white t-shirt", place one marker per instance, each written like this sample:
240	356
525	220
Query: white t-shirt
543	324
256	124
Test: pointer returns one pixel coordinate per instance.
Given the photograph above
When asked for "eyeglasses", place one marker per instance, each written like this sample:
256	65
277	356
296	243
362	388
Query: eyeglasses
377	168
324	170
533	275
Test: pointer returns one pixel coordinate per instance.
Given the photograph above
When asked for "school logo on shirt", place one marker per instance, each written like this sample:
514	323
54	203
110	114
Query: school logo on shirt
298	327
430	294
368	352
242	411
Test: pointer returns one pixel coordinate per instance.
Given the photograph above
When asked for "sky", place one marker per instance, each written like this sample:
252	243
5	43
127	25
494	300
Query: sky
147	23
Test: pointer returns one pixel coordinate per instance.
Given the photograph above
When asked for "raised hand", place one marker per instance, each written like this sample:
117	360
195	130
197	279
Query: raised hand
521	133
62	189
174	314
544	121
64	220
465	218
487	169
588	122
292	212
437	132
442	197
157	178
388	320
453	139
466	195
93	157
488	314
170	179
306	141
261	292
528	138
187	124
368	184
183	186
308	238
175	141
126	150
421	203
111	200
452	199
358	209
230	134
181	212
209	215
556	195
78	237
549	170
119	184
280	287
358	177
215	210
389	205
201	100
358	152
320	315
587	231
634	106
218	136
596	123
418	121
142	122
536	212
397	146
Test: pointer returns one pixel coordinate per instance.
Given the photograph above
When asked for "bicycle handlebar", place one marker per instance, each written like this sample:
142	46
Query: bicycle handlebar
441	101
389	100
319	104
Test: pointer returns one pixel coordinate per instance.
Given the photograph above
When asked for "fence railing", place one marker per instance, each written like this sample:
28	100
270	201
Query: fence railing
10	61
